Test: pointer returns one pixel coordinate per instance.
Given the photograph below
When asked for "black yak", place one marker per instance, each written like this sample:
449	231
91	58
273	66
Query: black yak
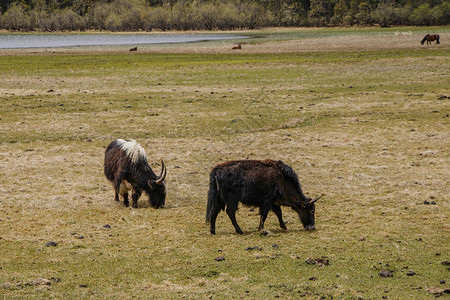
266	184
127	168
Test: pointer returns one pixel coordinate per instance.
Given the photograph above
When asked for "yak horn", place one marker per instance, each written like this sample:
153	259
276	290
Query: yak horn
312	201
163	174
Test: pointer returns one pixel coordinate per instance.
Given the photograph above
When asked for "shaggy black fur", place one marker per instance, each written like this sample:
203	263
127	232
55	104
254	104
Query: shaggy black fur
265	184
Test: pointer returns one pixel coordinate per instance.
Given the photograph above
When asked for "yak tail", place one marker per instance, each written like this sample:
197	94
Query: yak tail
213	197
289	173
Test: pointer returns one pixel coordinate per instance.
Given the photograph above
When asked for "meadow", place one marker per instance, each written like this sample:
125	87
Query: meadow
361	115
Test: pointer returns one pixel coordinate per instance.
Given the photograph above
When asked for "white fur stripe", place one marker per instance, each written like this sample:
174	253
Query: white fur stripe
133	150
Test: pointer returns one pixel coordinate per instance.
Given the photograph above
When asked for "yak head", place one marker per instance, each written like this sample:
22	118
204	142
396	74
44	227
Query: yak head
306	211
157	189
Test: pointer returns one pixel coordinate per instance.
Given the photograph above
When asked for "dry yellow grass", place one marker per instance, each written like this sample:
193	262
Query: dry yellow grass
362	122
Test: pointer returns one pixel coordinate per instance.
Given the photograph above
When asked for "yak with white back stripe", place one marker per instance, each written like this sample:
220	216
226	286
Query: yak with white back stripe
127	168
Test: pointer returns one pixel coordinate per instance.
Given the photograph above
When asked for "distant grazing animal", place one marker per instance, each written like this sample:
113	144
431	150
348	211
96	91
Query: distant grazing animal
127	168
133	49
430	38
266	184
237	47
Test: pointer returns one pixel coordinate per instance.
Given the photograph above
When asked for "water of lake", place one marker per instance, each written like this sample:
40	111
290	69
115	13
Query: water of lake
11	41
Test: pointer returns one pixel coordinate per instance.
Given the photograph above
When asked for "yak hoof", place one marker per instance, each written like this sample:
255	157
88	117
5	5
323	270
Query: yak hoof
213	231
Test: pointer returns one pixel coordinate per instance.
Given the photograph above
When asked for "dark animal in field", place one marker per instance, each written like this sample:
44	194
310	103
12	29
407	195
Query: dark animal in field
133	49
126	166
266	184
430	38
237	47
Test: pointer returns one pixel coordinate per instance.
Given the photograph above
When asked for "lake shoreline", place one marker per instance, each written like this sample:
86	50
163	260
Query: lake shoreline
33	41
268	40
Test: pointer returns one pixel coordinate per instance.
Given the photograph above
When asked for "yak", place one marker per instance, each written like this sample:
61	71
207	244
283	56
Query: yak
266	184
127	168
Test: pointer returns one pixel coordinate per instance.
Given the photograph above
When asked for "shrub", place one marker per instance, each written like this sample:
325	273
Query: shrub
134	15
16	17
421	15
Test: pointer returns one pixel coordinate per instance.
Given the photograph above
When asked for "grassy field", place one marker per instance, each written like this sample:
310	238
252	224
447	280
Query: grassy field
361	115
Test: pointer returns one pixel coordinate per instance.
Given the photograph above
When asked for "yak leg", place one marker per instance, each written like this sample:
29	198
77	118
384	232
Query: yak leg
213	221
117	188
125	200
135	196
232	215
262	220
277	210
263	213
124	192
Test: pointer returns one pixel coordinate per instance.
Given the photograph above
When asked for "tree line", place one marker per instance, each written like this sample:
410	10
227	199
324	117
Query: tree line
148	15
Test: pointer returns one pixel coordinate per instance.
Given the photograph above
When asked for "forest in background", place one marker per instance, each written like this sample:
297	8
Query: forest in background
148	15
